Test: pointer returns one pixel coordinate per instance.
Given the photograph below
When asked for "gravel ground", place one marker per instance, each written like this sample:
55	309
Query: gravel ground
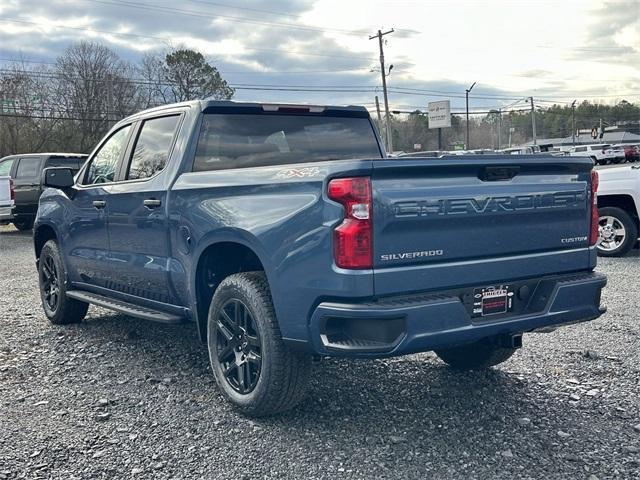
117	397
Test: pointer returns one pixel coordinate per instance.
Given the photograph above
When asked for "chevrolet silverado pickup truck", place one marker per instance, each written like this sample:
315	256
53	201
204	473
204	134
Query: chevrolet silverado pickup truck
618	204
286	234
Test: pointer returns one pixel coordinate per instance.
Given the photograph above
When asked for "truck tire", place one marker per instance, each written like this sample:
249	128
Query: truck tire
255	371
23	224
475	356
58	308
618	232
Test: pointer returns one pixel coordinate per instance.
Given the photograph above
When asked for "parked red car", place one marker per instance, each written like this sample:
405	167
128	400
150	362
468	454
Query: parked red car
631	152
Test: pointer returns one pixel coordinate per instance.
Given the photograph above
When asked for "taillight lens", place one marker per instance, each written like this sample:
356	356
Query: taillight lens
353	238
593	238
12	189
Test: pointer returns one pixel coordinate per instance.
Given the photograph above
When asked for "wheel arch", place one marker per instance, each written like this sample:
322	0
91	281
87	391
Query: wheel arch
216	261
41	235
622	201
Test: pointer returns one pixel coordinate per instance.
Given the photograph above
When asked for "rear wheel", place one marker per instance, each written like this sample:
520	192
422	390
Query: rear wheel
474	356
23	224
253	367
618	232
53	288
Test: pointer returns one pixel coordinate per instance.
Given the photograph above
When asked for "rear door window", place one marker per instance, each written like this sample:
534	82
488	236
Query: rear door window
240	140
28	167
153	146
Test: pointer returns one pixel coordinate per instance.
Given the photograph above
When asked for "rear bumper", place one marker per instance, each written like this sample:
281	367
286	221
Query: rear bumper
427	322
5	214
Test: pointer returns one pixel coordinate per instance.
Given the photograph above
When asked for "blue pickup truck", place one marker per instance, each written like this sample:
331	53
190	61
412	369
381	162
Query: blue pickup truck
285	233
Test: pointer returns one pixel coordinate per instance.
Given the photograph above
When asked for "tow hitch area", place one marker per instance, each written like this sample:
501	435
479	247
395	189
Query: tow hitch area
511	341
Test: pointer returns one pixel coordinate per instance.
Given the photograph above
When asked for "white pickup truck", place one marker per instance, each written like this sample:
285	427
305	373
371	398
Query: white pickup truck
6	199
601	154
618	207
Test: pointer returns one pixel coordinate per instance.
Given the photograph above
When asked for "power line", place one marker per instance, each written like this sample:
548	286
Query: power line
168	39
200	14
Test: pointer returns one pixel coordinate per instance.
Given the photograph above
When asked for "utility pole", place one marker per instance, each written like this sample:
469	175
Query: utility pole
573	123
601	131
389	138
467	146
499	128
533	121
380	125
110	112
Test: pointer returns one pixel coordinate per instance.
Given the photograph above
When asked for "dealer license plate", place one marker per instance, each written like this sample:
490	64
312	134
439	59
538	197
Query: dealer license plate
492	300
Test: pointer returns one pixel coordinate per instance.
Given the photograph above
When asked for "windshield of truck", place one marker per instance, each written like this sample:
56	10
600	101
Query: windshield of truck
239	140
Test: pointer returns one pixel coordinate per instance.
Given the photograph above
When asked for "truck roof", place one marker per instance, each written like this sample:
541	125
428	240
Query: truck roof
209	105
47	154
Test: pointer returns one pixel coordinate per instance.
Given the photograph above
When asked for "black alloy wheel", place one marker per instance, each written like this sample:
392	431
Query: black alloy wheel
239	347
50	280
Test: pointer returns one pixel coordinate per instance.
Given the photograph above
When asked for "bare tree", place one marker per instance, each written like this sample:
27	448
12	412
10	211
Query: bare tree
28	119
95	89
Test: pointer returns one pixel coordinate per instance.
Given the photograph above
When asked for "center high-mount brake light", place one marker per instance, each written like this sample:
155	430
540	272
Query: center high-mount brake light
353	238
595	218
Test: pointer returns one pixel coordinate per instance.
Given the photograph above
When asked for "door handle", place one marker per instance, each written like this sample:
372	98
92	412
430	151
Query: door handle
99	204
152	202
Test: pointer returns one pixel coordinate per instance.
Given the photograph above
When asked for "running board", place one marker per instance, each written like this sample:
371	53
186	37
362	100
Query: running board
124	307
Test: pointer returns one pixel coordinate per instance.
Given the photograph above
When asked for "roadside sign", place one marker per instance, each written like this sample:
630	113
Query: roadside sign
594	132
439	114
417	146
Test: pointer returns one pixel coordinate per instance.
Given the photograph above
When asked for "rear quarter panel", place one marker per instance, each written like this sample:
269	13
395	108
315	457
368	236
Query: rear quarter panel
282	214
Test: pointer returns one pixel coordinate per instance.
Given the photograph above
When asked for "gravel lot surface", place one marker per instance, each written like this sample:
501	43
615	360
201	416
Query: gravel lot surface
116	397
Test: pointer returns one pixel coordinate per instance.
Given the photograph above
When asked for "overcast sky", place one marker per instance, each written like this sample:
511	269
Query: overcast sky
553	50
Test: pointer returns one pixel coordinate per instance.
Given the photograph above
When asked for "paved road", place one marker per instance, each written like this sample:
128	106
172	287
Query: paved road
116	397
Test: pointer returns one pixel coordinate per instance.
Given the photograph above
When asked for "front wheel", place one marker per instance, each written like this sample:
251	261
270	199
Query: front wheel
58	308
474	356
253	367
618	232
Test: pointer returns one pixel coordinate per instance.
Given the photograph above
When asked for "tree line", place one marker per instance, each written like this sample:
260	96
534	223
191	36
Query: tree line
555	121
71	104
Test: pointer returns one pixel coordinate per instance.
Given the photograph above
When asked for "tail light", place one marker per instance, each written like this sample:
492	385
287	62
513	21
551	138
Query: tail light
593	237
353	238
12	189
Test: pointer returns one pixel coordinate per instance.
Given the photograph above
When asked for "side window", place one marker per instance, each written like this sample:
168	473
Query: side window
153	146
5	167
105	163
28	167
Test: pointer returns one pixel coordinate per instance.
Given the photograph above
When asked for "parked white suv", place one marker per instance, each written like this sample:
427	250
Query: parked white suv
618	207
600	153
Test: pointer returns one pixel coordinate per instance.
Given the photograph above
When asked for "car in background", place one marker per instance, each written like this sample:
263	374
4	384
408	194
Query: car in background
6	197
517	151
424	154
601	154
25	172
631	152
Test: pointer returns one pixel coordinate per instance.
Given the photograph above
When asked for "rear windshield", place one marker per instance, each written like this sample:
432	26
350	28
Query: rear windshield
240	140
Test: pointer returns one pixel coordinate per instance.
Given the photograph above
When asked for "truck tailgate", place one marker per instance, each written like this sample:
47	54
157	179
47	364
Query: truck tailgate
5	192
457	221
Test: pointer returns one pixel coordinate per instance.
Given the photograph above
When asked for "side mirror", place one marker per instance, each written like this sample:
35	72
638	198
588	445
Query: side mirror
58	177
